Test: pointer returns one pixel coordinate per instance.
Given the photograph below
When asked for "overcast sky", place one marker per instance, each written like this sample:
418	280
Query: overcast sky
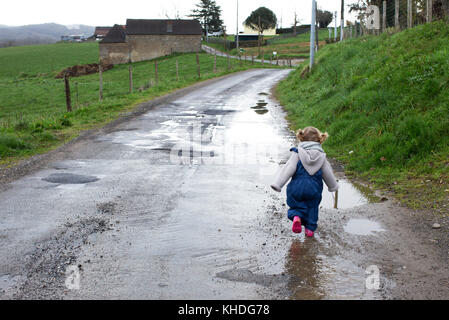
109	12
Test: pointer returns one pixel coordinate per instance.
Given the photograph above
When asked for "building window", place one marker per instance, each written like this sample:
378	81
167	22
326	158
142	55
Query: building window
169	27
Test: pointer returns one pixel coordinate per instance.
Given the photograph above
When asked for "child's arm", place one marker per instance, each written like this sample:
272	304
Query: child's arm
286	173
328	177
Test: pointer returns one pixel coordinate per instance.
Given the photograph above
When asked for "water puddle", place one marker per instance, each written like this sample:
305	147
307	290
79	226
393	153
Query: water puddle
7	281
261	111
247	276
70	178
260	107
362	227
348	197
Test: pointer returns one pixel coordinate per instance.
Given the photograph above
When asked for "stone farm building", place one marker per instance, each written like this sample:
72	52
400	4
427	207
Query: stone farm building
143	40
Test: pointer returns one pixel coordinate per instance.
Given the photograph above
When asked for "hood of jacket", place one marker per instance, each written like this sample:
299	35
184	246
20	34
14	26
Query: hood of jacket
312	160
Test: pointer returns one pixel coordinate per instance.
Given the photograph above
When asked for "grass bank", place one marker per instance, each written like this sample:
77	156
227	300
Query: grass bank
33	117
385	103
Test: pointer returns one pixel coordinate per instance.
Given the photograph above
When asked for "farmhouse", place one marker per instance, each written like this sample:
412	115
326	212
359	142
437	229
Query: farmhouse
144	40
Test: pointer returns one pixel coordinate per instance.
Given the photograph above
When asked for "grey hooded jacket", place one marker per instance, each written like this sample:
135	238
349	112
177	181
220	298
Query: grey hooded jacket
313	160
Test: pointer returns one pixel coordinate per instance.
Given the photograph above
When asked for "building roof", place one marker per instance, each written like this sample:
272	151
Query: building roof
115	35
101	31
163	27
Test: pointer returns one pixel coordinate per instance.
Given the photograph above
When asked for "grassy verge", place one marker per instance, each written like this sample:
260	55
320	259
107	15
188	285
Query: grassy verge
385	103
33	117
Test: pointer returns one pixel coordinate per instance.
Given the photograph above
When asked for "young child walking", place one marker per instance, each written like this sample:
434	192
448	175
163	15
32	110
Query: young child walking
307	168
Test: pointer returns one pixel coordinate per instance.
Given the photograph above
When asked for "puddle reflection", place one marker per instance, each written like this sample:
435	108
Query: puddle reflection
303	263
348	197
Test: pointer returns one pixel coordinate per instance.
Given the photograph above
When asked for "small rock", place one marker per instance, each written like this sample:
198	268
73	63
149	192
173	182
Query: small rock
436	226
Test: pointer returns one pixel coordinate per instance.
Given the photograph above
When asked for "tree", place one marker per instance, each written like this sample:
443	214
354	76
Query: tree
208	13
323	18
261	19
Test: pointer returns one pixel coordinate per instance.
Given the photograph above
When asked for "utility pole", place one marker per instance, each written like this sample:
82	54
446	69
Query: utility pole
342	26
317	28
312	35
237	29
335	29
207	30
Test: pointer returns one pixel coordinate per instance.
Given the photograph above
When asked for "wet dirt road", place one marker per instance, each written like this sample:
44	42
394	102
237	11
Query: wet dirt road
175	204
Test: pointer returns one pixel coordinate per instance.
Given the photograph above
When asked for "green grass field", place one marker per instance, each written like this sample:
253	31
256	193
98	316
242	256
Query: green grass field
33	117
286	48
385	103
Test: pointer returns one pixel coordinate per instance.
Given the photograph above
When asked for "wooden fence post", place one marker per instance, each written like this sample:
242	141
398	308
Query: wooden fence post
130	78
263	58
429	10
252	59
76	91
229	62
177	70
198	65
156	73
215	62
409	14
100	71
396	15
68	99
384	16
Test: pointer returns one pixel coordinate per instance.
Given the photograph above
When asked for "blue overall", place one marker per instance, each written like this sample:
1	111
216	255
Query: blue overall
304	195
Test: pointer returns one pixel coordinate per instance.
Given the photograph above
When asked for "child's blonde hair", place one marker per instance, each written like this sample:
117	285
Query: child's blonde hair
311	134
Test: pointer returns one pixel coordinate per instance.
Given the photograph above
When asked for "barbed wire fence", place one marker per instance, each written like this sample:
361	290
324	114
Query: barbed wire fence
44	99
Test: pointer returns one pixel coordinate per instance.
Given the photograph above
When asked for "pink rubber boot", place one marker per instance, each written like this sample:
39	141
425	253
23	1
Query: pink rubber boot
308	233
296	225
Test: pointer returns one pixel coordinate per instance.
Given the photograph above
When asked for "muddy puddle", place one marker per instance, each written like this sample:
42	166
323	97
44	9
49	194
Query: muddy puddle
70	178
363	227
260	107
348	197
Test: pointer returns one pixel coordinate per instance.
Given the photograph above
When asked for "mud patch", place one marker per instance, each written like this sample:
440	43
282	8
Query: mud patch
45	267
70	178
106	207
82	70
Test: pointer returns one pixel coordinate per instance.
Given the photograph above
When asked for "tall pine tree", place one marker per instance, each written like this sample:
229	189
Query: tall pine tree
208	13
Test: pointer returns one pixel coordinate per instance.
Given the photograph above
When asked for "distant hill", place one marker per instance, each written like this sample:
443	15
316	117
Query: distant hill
39	33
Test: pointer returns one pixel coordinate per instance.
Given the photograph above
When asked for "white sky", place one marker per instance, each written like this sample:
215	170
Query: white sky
110	12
